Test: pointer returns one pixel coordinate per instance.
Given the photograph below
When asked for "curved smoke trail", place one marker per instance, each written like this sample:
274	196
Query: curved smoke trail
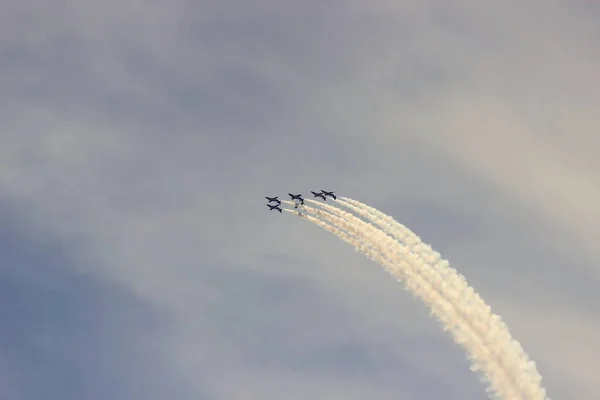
424	284
526	375
492	351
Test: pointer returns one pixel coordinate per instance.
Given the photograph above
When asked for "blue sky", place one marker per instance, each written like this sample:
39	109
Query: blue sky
138	139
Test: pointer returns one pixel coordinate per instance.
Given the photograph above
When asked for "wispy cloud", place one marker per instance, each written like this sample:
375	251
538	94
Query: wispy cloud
142	136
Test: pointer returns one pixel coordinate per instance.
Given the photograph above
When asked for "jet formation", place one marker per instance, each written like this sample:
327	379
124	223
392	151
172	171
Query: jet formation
297	199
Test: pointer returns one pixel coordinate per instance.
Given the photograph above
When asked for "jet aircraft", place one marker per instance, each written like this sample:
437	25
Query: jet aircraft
273	199
330	194
317	194
297	197
274	207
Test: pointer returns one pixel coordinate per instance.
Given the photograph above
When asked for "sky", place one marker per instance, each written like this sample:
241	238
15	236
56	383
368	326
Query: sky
139	138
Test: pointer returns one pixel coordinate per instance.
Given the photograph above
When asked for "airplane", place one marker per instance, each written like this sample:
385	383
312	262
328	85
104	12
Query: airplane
330	194
297	197
317	194
275	199
275	207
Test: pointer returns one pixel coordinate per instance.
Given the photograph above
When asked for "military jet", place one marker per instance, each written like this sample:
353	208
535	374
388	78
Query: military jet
317	194
297	197
330	194
273	199
274	207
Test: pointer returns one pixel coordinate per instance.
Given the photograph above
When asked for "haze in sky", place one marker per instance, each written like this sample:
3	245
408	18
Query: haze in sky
137	143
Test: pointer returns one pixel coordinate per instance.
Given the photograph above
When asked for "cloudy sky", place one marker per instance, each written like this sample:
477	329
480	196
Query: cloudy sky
138	138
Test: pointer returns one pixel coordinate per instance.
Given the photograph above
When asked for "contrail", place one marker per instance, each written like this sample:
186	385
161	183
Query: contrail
496	333
421	281
471	323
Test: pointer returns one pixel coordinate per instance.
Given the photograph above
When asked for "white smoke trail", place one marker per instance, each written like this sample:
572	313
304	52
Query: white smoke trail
492	328
417	247
424	282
